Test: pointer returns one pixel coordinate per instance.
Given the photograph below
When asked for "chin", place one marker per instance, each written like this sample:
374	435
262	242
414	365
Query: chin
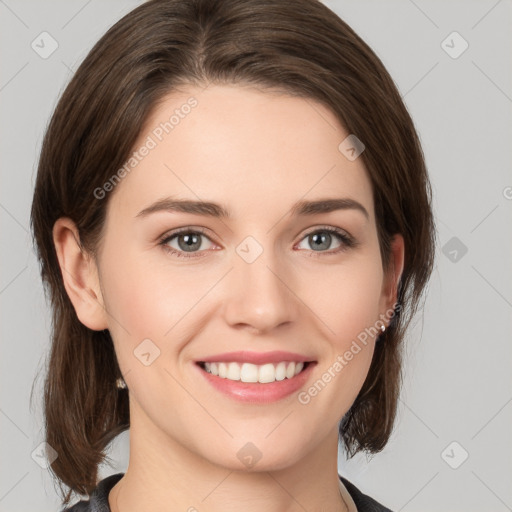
253	457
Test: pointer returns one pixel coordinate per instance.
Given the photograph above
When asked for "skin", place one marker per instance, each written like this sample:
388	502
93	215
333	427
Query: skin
256	153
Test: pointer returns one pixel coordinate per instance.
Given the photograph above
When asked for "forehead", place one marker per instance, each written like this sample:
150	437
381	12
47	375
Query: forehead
243	147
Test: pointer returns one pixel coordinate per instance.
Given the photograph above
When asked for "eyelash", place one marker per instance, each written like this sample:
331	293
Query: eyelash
346	241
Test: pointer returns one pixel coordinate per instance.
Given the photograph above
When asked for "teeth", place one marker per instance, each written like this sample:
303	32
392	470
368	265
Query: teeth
248	372
222	369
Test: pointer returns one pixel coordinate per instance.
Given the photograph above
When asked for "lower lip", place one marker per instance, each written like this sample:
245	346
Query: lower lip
255	392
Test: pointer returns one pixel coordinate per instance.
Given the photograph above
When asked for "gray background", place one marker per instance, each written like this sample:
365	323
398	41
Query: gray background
457	382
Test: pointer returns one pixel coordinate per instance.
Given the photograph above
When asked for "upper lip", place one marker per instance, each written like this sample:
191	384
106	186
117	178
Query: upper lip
258	358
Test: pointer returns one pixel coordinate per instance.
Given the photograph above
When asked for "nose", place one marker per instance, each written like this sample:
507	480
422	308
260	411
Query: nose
260	296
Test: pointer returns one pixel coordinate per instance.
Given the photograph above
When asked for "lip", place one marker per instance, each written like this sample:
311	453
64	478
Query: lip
244	356
254	392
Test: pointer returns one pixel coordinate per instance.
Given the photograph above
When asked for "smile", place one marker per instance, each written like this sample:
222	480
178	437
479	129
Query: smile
248	372
257	384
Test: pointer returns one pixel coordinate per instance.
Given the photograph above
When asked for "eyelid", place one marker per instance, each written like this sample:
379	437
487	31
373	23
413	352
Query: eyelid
184	229
329	228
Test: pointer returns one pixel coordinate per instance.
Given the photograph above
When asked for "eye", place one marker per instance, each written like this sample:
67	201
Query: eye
187	242
322	238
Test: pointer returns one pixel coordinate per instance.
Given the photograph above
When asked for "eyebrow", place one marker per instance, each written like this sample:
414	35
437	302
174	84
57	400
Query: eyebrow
210	209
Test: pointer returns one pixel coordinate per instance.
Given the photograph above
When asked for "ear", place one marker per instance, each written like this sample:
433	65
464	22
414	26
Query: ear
80	275
393	273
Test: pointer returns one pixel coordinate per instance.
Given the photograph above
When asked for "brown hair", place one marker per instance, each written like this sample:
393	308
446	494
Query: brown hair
299	47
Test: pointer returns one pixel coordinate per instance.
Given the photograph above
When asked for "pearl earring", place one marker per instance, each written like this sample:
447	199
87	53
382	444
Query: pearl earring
120	383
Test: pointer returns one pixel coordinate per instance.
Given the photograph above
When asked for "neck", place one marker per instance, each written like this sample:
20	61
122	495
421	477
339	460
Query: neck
165	475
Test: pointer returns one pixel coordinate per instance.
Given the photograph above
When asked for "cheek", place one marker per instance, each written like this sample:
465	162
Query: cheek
146	297
348	306
347	298
152	317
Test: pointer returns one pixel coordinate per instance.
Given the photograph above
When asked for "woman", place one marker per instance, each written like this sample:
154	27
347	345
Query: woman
232	215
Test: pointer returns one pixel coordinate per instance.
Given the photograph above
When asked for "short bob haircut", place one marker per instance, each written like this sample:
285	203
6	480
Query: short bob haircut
299	47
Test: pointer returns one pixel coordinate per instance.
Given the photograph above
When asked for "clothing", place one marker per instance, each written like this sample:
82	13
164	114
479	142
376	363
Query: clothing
98	501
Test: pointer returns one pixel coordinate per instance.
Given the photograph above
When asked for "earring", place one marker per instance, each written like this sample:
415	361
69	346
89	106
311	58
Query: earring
382	328
120	383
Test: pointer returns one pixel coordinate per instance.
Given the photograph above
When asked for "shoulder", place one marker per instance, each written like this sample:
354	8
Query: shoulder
363	502
98	500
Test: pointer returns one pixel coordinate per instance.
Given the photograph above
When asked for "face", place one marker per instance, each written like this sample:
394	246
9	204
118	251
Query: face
183	284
